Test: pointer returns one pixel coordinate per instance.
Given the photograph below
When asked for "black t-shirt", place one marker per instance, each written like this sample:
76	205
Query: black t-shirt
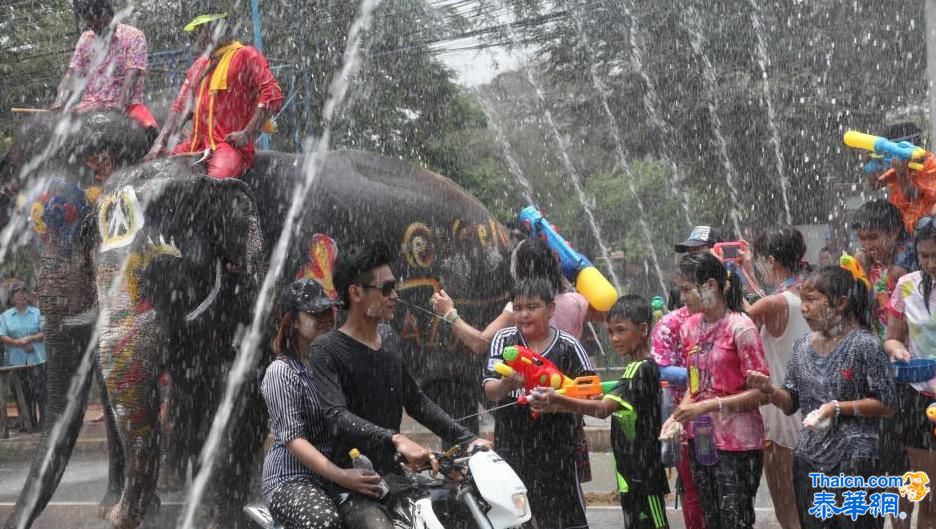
363	393
515	431
636	426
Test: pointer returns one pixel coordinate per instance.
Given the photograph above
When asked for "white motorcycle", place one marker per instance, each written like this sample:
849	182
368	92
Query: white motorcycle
480	491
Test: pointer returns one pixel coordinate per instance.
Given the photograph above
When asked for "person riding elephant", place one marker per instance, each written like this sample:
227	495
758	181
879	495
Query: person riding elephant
107	70
175	261
229	92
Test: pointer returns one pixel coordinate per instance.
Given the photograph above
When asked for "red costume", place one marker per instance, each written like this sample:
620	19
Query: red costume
249	84
925	182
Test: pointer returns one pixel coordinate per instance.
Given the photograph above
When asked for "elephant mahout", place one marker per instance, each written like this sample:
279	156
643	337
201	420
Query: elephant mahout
175	260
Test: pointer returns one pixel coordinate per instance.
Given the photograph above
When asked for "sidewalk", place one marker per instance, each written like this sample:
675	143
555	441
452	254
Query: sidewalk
93	441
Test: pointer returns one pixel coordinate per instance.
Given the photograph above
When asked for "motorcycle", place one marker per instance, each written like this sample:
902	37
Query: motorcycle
479	491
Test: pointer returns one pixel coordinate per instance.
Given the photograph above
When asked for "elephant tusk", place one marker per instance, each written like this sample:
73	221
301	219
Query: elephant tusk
81	319
211	295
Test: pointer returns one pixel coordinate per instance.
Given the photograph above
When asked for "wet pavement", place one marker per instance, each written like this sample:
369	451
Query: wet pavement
75	502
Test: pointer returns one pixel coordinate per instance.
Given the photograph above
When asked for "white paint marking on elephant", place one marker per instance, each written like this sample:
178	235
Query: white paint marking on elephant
120	219
212	296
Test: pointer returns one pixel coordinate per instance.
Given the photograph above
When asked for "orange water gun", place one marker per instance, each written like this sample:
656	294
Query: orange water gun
852	265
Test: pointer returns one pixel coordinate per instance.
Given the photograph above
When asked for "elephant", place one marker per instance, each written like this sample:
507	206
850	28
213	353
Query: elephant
45	165
175	261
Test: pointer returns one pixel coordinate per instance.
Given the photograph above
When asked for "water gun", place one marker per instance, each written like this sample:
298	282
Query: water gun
575	266
537	371
658	306
852	265
584	387
885	150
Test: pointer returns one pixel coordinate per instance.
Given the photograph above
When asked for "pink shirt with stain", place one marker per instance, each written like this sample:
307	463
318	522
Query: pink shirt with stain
722	353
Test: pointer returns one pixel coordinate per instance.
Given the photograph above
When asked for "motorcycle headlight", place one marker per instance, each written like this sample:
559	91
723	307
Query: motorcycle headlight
520	503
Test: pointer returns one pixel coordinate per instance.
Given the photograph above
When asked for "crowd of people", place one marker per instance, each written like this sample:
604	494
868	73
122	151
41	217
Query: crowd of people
781	384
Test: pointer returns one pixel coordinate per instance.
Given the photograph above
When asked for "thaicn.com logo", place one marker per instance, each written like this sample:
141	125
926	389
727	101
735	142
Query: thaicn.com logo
855	496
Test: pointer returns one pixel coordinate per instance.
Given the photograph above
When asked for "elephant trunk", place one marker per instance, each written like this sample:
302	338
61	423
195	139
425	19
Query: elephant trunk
58	284
129	359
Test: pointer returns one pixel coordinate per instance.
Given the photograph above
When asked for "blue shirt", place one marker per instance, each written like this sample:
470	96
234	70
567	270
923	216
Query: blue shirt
16	325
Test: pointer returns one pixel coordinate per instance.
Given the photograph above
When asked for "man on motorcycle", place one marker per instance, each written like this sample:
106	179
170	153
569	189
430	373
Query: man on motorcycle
364	386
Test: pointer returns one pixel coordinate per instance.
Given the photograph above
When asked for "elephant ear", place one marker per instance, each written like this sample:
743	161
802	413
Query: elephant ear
234	223
214	224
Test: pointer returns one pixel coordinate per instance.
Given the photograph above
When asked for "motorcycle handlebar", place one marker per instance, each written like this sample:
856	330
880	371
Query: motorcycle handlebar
447	460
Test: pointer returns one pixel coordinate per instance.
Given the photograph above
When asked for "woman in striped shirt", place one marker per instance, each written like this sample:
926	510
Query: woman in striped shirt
297	468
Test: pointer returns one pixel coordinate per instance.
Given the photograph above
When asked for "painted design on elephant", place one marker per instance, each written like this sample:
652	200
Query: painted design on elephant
120	218
418	249
138	261
322	253
56	214
125	371
488	235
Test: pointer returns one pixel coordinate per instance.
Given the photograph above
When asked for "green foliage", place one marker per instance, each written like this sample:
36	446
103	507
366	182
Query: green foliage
18	264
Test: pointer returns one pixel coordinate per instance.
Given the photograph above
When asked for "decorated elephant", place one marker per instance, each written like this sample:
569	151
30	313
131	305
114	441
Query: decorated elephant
45	174
177	259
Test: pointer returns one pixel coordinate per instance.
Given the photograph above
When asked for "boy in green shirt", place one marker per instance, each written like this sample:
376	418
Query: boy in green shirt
635	405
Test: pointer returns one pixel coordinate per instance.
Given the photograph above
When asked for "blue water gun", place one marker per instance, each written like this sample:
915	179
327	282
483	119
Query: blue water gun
883	151
575	266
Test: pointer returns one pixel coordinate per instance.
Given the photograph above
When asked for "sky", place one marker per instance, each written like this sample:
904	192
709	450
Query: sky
478	67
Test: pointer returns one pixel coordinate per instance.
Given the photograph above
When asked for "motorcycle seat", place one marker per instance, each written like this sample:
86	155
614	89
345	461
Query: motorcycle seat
259	513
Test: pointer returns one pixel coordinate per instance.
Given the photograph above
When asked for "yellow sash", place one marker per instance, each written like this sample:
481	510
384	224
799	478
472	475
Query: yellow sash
219	81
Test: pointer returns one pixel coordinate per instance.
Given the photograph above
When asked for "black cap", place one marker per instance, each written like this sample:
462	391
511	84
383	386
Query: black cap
701	236
306	295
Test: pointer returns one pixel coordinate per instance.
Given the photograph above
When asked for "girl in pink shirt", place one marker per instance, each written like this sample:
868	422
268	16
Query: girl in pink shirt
721	345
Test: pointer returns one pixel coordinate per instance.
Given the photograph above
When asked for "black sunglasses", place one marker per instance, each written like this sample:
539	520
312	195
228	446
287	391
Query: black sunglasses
926	223
386	289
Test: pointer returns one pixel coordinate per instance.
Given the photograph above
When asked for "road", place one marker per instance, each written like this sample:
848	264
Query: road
75	503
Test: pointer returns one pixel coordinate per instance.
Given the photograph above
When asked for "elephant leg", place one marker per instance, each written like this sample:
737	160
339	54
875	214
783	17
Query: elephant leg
175	428
61	429
130	369
115	456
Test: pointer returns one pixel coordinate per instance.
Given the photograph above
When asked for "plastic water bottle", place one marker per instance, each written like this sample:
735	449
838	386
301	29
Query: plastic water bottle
704	440
360	461
669	446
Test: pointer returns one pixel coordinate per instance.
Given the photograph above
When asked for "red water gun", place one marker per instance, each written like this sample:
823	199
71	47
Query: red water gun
538	372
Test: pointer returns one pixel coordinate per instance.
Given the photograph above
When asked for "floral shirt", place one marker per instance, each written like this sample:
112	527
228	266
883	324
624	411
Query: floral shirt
666	348
884	281
105	66
907	304
719	355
